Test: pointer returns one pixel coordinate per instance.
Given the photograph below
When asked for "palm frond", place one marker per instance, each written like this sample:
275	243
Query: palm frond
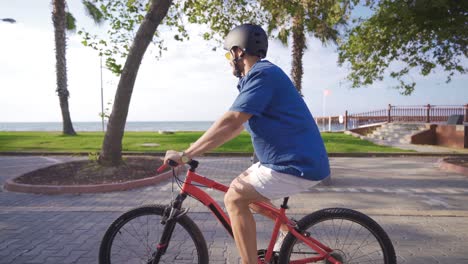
93	12
71	22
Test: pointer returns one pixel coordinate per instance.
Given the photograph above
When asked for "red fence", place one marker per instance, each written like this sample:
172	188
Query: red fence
407	114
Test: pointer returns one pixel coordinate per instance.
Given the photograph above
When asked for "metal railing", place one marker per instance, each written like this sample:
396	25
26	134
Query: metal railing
394	114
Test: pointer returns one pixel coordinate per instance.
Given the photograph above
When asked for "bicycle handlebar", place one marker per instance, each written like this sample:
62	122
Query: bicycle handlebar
165	165
161	169
193	165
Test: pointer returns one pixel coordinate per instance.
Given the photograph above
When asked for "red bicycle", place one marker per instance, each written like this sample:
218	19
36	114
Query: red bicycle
166	234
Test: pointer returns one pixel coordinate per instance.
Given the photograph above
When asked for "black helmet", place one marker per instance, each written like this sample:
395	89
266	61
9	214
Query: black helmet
251	38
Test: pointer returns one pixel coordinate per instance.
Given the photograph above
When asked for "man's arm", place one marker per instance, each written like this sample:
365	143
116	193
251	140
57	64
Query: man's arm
224	129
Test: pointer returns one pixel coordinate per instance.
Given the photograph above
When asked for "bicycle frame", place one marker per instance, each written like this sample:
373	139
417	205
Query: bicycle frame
279	214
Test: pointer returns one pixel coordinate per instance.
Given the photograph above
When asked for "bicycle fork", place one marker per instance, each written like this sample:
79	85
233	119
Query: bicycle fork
169	220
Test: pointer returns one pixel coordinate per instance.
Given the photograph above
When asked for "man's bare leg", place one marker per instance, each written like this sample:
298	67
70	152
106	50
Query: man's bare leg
237	200
263	212
267	214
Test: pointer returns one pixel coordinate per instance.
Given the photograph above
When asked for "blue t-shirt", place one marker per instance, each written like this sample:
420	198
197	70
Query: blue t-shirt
284	133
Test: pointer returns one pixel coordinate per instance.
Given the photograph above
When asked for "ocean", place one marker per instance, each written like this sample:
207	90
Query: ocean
97	126
130	126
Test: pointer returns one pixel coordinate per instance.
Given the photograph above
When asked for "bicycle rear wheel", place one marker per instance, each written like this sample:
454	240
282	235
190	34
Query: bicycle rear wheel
354	238
134	236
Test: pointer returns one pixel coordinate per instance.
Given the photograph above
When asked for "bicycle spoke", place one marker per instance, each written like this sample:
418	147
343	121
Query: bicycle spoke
355	236
147	235
354	260
347	236
335	235
328	240
132	249
359	247
142	239
125	249
350	242
133	242
133	236
339	232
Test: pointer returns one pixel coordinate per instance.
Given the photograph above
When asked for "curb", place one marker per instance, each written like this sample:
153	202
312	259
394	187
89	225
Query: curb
12	186
447	166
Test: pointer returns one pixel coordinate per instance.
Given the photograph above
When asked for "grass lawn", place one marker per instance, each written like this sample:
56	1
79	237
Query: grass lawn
91	142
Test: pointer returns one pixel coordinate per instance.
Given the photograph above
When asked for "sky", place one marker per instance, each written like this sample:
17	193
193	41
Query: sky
189	83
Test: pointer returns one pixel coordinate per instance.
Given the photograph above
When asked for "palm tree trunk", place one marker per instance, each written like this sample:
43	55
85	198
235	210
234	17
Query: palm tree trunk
58	18
111	153
298	51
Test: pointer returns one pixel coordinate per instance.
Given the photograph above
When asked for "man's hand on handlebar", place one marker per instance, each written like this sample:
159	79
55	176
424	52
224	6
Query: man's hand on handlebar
174	156
179	157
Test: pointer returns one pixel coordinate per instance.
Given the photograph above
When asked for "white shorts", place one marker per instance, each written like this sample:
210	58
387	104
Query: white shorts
275	185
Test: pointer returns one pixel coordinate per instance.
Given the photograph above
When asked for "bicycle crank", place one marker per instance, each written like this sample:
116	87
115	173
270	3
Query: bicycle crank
262	253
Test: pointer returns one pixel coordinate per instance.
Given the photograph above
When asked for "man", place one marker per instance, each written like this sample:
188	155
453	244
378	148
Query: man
285	137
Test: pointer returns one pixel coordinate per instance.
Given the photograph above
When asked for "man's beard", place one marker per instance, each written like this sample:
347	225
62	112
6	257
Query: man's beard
236	69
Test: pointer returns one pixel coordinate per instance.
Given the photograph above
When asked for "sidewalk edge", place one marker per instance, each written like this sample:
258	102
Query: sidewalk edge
12	186
447	166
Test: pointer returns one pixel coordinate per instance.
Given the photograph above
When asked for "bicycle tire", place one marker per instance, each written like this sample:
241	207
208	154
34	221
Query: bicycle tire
318	223
187	244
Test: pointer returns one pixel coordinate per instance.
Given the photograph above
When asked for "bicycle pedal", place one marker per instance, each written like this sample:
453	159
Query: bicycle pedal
262	253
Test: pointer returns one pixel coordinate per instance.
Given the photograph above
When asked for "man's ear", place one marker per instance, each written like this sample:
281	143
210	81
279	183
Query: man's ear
239	52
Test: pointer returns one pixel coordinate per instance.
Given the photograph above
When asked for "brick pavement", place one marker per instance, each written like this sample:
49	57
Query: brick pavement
423	209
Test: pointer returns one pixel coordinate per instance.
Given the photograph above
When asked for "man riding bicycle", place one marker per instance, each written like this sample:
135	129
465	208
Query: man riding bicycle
291	153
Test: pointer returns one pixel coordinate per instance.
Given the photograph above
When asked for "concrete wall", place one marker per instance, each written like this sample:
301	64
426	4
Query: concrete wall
426	137
453	136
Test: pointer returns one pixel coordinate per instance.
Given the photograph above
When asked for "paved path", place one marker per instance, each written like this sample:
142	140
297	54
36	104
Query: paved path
415	147
420	148
424	210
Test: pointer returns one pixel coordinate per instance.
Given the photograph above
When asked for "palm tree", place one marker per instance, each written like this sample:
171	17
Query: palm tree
111	152
63	21
320	19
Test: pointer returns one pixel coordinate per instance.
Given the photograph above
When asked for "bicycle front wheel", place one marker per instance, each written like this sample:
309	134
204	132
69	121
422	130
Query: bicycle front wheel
134	236
353	236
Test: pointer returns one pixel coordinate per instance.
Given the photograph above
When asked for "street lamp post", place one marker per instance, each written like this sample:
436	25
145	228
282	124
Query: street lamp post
326	92
102	99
